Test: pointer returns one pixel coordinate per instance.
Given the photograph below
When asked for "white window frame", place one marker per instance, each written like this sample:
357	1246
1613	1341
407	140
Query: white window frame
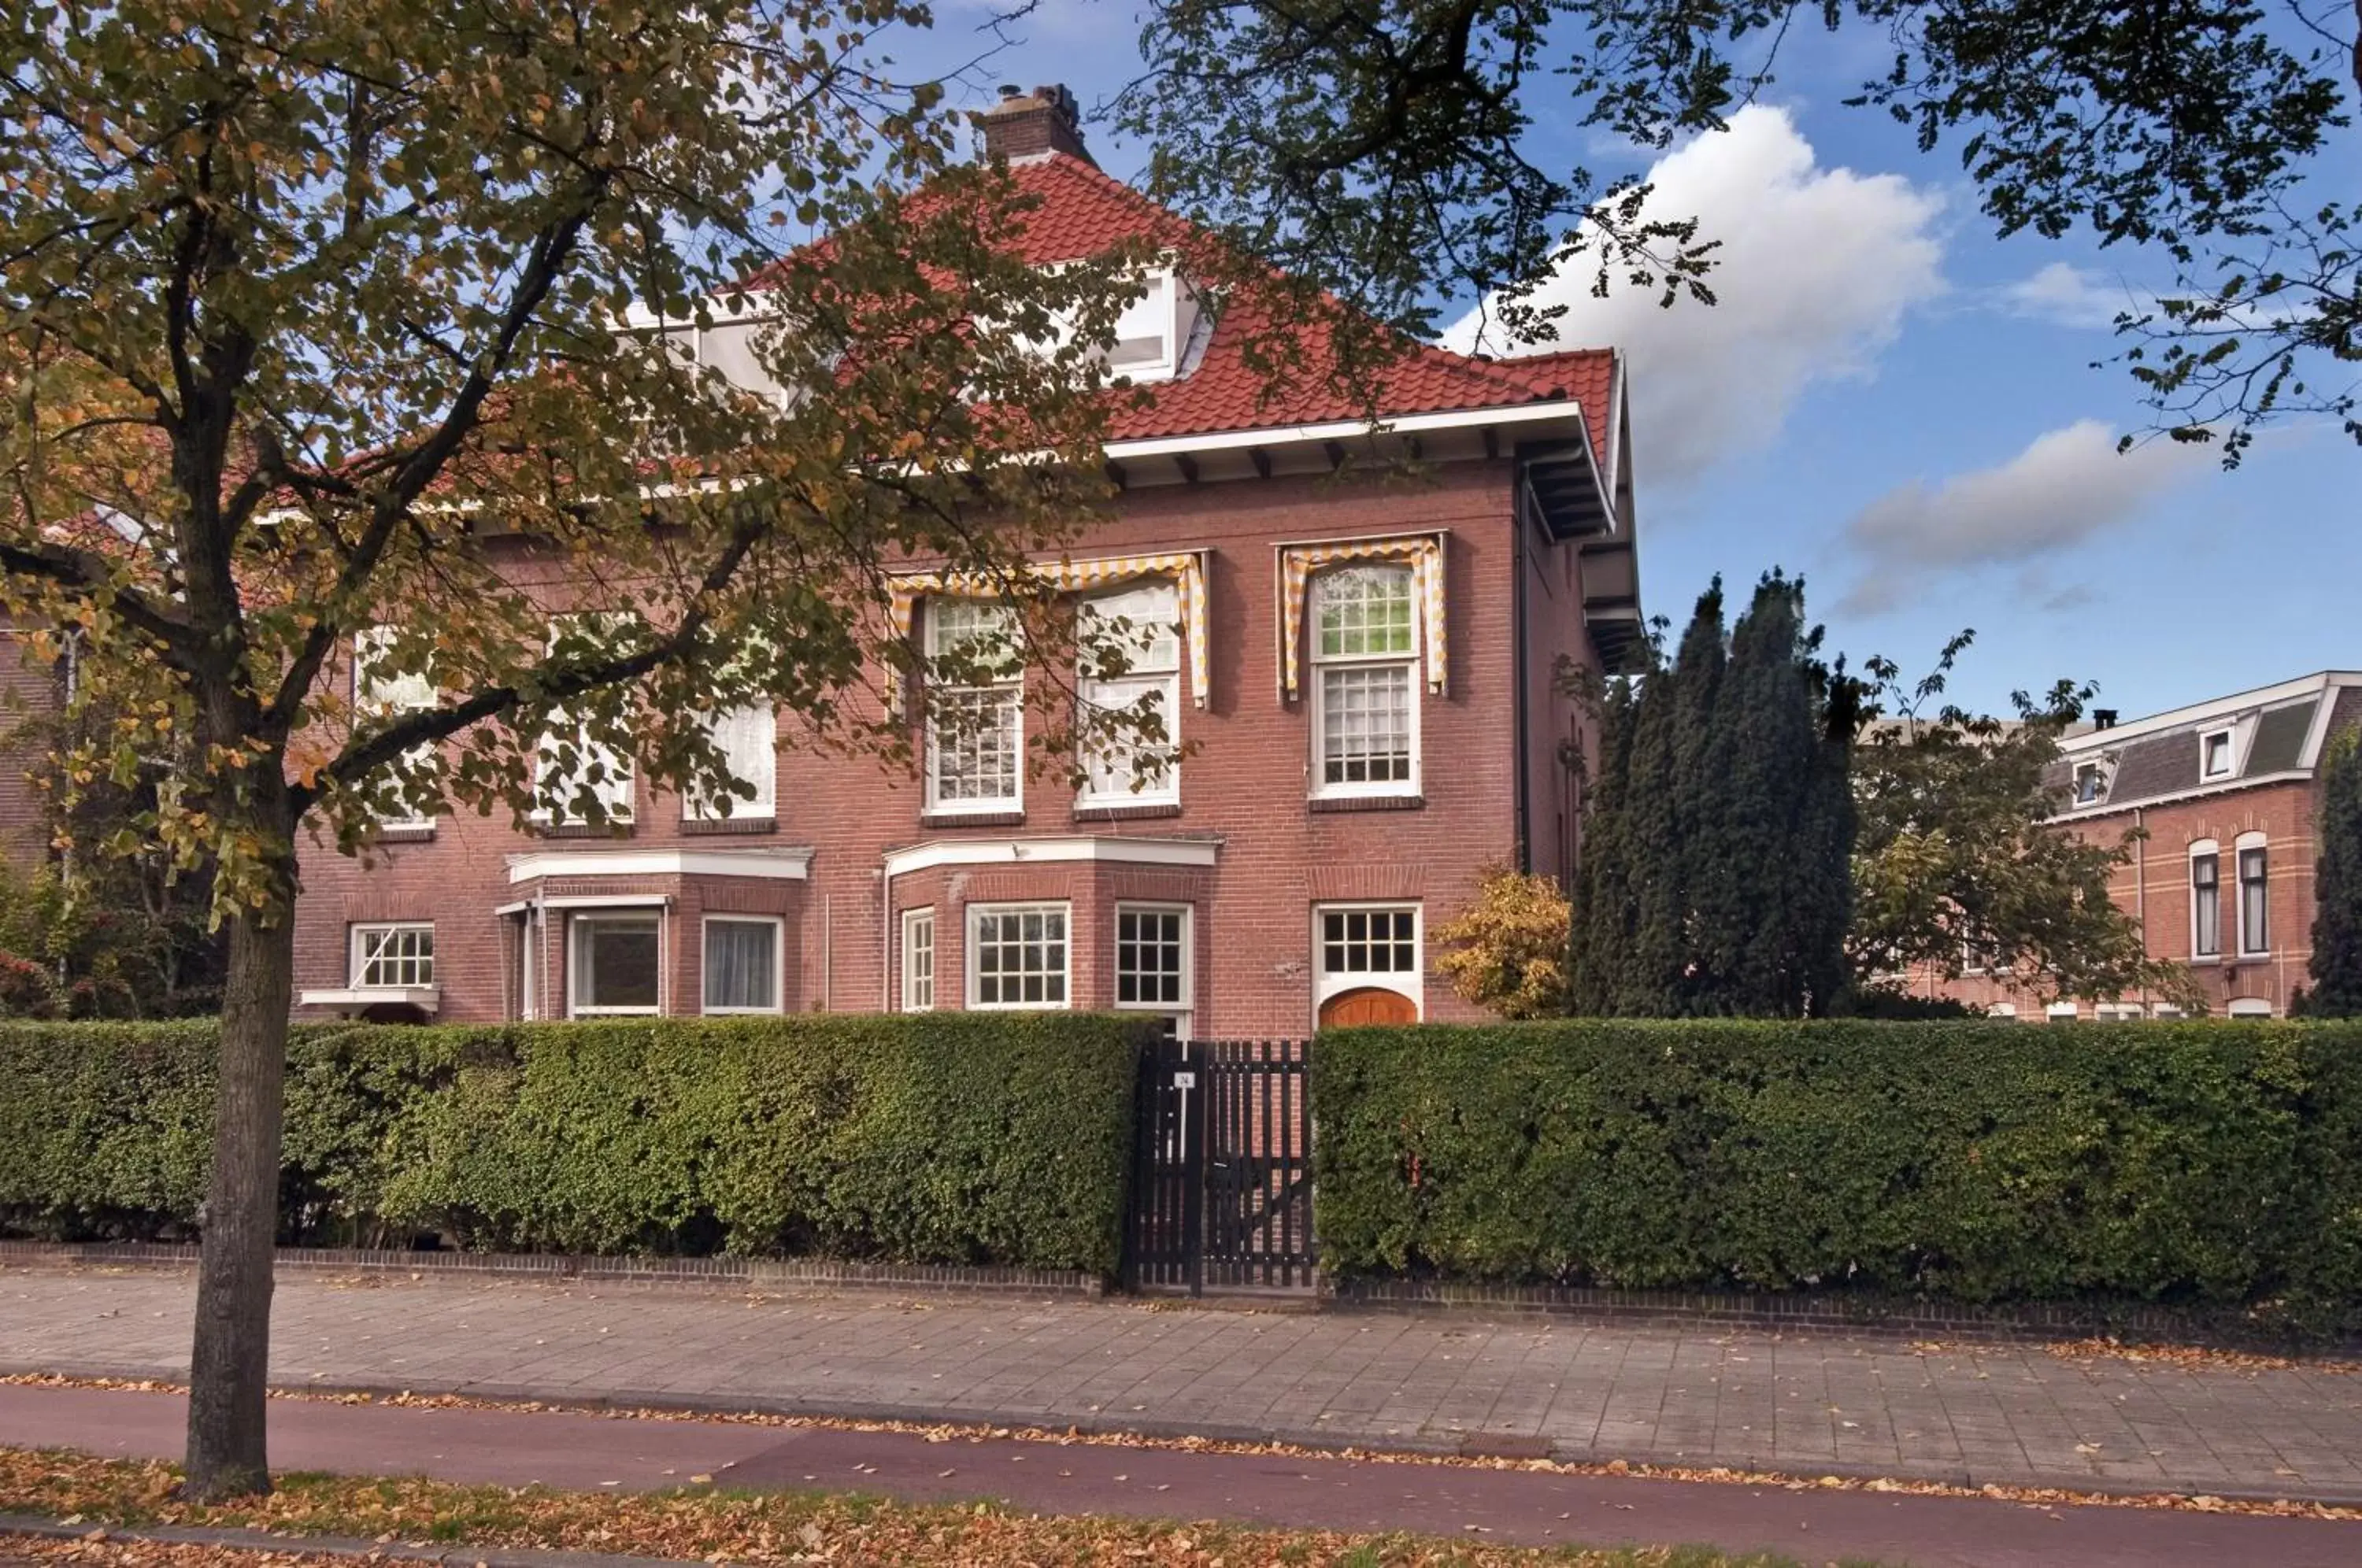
2116	1013
913	920
976	914
2061	1012
623	783
1412	985
779	962
2249	843
2201	850
2002	1010
371	701
1123	691
2248	1007
2229	736
1318	665
2099	777
1009	690
696	808
1184	1012
577	920
357	961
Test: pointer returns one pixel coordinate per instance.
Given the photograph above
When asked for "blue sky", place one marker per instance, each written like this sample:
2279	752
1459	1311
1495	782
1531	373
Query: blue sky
1893	402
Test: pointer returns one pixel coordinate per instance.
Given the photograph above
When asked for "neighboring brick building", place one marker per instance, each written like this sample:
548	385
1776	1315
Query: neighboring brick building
2224	791
1367	666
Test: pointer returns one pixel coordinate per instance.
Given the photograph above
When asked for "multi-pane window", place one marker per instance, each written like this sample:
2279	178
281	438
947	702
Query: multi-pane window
614	963
1152	964
748	738
1364	653
742	964
2254	899
580	779
976	725
1369	942
1017	956
1132	671
379	692
918	960
387	956
2205	905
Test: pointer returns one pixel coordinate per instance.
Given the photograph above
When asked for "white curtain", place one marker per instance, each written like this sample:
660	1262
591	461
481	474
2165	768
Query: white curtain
741	970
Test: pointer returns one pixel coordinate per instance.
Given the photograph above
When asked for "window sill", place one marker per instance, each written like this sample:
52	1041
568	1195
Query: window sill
971	819
582	830
716	827
1366	803
407	833
1126	814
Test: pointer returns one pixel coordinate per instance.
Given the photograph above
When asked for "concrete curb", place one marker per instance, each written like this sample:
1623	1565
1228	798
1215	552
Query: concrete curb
31	1527
1453	1445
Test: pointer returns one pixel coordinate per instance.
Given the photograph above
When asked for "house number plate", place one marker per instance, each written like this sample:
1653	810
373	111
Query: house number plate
1185	1080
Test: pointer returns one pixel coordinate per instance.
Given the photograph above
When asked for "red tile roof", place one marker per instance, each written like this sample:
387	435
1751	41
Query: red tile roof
1083	211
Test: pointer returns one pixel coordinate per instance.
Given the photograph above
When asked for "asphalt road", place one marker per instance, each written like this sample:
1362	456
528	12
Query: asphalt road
593	1453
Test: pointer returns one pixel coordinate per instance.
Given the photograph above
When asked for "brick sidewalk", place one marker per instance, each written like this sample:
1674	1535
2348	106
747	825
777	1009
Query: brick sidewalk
1668	1394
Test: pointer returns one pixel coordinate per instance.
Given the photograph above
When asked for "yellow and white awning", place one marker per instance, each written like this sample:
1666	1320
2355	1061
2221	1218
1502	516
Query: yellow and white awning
1423	553
1186	569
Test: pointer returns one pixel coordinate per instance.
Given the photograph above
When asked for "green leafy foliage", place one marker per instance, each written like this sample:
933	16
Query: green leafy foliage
1507	951
1956	859
2337	963
1714	876
2206	1163
921	1138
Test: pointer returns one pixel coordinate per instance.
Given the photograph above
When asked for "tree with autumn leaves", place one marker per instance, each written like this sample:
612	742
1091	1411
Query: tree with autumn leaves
335	323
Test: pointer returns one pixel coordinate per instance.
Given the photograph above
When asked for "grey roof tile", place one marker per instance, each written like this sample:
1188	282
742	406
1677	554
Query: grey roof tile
2161	765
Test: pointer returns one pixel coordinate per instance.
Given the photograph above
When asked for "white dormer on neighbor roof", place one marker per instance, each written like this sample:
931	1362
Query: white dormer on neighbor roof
727	343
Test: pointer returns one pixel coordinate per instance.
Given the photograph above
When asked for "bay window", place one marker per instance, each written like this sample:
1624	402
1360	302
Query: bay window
743	963
1017	956
614	963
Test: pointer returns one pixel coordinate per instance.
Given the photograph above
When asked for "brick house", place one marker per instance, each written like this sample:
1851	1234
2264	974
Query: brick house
2225	793
1366	667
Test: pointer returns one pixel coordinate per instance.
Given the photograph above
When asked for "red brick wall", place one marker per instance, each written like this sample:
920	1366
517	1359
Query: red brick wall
1246	785
2154	887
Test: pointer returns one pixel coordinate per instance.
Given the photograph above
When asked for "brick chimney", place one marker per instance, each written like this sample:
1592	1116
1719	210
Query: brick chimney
1026	124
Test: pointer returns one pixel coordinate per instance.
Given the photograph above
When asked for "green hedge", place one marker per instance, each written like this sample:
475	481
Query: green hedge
2206	1163
923	1137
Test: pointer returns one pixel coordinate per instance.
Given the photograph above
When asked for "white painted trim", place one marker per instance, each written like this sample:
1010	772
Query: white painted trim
522	906
2255	840
1343	429
2220	787
789	864
2204	848
427	998
2248	1007
609	901
1109	847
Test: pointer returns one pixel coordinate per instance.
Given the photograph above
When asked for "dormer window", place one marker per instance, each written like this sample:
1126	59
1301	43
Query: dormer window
2091	783
2216	755
1152	333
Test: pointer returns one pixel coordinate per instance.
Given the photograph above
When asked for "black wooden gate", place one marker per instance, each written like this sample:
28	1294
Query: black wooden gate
1222	1170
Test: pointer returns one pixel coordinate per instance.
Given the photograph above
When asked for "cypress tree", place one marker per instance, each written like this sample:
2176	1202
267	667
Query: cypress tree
1600	932
2336	961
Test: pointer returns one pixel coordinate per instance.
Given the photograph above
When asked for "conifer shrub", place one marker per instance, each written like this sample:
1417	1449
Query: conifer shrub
2214	1165
929	1138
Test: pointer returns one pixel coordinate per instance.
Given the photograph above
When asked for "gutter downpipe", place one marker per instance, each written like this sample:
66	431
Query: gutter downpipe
1524	823
2140	888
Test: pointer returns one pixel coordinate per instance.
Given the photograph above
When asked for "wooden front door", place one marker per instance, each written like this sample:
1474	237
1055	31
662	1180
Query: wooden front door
1368	1005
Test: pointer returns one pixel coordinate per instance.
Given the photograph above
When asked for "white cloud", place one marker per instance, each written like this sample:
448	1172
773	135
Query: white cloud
2067	486
1815	272
2067	295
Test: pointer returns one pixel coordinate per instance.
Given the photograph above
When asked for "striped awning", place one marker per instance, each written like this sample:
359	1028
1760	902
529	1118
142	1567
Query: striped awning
1423	553
1186	569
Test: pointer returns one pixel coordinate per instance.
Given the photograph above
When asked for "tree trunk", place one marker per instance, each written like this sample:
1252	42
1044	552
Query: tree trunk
229	1362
